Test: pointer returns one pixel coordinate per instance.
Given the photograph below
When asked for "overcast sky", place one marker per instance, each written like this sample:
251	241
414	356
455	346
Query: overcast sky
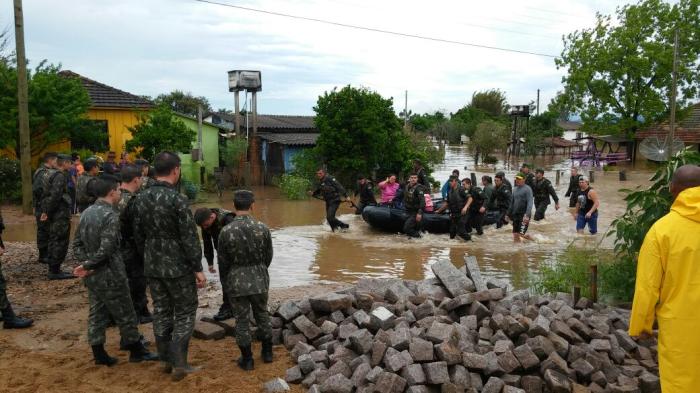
149	47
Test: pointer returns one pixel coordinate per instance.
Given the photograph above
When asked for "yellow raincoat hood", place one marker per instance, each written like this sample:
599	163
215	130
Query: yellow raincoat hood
668	290
688	204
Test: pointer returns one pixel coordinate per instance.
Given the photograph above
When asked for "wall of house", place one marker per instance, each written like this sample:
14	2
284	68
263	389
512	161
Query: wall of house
210	143
60	147
118	121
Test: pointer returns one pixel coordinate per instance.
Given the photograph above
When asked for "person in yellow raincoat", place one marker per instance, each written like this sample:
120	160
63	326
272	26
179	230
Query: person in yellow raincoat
668	285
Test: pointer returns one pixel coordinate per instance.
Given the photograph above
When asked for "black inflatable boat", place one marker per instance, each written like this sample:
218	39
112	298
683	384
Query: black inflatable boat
391	219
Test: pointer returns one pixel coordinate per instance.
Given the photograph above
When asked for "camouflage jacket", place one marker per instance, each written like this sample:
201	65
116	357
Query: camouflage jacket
210	236
96	244
57	202
83	190
330	189
166	234
245	249
128	246
40	185
543	189
146	182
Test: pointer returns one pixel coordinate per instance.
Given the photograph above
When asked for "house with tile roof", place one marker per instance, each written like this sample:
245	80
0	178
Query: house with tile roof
280	137
687	130
113	110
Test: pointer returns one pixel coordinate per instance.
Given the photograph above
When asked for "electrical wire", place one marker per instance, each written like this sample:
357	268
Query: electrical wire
375	30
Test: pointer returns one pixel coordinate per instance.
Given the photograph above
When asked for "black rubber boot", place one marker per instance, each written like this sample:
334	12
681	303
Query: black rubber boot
266	351
123	346
12	321
55	273
224	313
101	356
145	316
246	360
178	351
139	353
163	346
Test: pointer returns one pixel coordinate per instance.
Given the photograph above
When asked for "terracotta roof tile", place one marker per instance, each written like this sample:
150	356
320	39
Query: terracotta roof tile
104	96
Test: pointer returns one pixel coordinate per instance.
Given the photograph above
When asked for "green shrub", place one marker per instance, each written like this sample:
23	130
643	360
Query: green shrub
294	186
10	181
490	160
190	189
572	267
84	154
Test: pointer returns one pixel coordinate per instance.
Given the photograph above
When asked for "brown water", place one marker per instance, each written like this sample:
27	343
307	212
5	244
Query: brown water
306	251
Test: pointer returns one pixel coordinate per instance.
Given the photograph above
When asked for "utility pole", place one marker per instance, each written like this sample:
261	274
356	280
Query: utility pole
672	128
405	112
25	149
538	102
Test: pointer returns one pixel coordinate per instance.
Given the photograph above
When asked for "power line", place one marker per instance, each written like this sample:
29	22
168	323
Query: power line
375	30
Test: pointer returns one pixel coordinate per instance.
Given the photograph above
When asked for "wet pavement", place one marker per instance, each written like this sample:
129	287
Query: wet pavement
306	251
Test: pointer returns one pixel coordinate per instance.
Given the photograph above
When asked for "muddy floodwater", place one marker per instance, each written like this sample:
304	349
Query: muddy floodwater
306	251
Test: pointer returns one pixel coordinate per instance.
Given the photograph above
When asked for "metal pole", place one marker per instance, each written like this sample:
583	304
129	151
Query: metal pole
672	123
236	117
538	102
199	132
594	283
558	175
25	150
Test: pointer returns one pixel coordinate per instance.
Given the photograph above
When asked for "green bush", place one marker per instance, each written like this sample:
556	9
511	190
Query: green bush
294	186
572	267
190	189
10	181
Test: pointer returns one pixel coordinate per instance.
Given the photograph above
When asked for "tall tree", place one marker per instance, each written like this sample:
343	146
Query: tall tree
184	102
360	132
57	106
493	102
619	72
160	130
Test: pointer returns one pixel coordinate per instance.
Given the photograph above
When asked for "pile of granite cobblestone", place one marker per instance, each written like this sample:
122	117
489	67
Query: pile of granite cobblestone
459	333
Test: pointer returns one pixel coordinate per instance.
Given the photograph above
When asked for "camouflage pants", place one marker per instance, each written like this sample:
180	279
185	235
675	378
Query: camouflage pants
241	306
59	237
109	300
42	239
174	306
137	284
4	302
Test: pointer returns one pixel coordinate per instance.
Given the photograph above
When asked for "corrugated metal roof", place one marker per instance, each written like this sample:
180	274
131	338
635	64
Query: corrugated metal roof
299	139
103	96
273	122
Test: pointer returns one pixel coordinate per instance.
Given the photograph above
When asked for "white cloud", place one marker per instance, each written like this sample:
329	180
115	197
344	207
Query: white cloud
152	47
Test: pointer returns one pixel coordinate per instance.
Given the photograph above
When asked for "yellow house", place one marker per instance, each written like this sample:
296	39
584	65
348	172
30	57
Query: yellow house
113	109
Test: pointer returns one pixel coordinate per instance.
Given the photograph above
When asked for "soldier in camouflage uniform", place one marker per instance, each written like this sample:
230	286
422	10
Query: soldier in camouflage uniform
133	260
146	173
529	176
414	202
97	244
10	320
331	191
167	237
83	192
40	189
541	191
212	221
501	198
55	209
245	249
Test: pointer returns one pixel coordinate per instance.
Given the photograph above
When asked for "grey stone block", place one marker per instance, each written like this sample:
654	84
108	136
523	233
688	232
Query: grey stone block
421	350
360	373
493	385
527	358
277	385
328	303
288	310
337	383
455	282
474	361
294	375
508	362
361	318
397	292
459	376
600	345
328	327
341	368
389	383
448	353
208	331
382	318
557	382
413	374
436	373
306	327
439	332
361	341
583	369
531	384
346	330
400	338
378	350
306	363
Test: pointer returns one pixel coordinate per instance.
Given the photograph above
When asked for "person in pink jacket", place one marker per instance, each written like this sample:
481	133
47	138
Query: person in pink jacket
388	188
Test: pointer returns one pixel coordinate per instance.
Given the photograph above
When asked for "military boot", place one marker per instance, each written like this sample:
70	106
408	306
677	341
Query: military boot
178	351
123	346
55	273
101	356
224	313
145	316
246	360
266	351
163	346
12	321
139	353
